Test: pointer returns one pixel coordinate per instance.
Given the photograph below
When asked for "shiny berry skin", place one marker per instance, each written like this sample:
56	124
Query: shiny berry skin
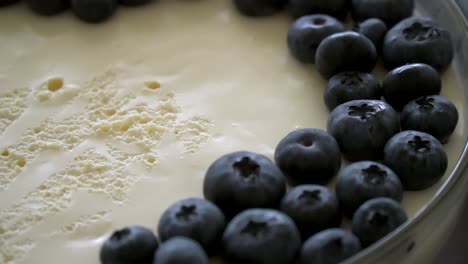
362	127
408	82
417	158
341	52
432	114
418	40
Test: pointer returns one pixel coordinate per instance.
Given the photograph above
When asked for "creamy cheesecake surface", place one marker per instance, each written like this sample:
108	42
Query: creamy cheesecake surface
103	126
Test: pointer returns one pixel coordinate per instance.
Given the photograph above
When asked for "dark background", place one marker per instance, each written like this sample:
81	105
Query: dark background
455	250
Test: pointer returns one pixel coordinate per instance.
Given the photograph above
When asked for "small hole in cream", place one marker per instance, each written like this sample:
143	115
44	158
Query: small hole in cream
21	163
55	84
151	160
153	85
110	112
5	153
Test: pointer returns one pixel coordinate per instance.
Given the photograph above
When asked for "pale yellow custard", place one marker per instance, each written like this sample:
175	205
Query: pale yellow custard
103	126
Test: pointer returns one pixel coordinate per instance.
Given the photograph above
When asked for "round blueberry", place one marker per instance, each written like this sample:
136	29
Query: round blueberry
335	8
433	114
418	39
409	82
306	33
308	156
7	2
262	236
49	7
242	180
133	244
329	247
195	218
376	218
134	2
362	127
180	250
365	180
341	52
374	29
93	11
417	158
390	11
347	86
258	8
313	208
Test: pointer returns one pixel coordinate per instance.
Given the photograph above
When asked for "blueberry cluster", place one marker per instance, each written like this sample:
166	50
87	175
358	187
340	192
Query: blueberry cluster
91	11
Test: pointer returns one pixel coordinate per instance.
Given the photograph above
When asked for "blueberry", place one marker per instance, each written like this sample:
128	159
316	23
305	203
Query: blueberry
376	218
390	11
7	2
242	180
258	8
93	11
308	156
49	7
261	236
335	8
347	86
417	158
418	39
313	208
133	244
134	2
195	218
341	52
434	115
180	250
362	127
306	33
374	29
365	180
409	82
330	246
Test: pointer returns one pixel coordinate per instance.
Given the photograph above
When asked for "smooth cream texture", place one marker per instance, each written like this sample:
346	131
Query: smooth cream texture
103	126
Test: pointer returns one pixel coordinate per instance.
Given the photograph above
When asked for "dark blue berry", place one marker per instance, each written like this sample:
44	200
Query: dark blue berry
308	156
261	236
180	250
258	8
362	127
376	218
330	246
347	86
93	11
390	11
242	180
417	158
195	218
418	40
130	245
433	114
409	82
365	180
134	2
374	29
49	7
306	33
7	2
346	51
313	208
335	8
